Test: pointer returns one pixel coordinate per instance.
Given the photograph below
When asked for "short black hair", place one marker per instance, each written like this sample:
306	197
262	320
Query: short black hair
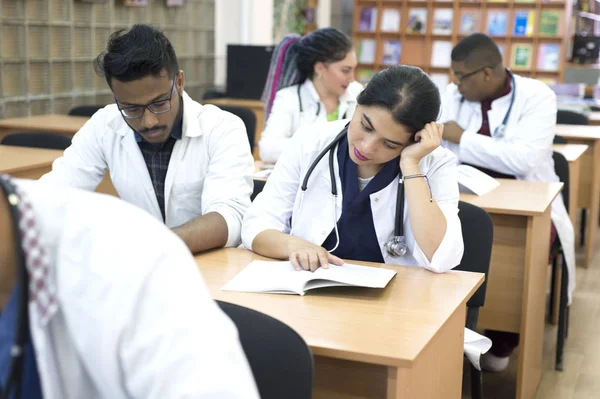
136	53
477	50
407	92
323	45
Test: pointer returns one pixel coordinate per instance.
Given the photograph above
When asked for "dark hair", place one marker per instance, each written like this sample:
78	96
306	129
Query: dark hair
136	53
407	93
294	59
477	50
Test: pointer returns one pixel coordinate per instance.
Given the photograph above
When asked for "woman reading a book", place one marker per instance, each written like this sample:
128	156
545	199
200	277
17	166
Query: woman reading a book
310	80
378	188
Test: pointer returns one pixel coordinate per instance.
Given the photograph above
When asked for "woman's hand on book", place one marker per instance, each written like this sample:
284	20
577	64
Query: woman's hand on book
312	257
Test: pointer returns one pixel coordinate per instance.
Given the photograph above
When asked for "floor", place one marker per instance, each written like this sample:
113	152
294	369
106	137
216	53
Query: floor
581	376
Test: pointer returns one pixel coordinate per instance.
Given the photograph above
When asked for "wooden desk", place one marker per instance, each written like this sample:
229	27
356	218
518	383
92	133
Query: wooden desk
257	106
573	153
61	124
405	341
594	118
589	182
516	289
33	163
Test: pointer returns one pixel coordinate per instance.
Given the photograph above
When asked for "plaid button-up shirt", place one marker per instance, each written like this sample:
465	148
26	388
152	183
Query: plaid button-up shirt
157	157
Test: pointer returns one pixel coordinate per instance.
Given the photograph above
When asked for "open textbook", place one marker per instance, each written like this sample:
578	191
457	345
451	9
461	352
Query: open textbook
281	278
474	181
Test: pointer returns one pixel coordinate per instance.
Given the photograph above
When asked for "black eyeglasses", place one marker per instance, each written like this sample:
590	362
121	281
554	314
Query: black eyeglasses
460	79
157	107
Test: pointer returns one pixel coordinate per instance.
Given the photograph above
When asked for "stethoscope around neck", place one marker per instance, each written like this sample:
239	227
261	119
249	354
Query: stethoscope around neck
318	105
500	130
395	245
14	378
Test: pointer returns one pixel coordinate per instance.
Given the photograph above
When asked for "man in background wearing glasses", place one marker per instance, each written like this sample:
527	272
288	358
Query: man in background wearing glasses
503	124
187	164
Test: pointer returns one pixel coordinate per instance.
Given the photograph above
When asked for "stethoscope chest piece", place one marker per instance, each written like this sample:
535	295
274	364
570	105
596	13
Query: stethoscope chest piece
396	246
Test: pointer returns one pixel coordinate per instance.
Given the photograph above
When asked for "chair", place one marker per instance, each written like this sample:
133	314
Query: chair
258	187
85	110
38	140
564	117
478	234
247	116
561	167
559	140
280	360
212	94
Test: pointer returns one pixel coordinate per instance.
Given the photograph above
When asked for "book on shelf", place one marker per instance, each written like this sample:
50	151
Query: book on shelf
391	52
417	20
470	21
524	23
366	51
549	22
440	54
441	80
497	23
281	278
365	75
521	54
548	57
390	20
442	21
368	19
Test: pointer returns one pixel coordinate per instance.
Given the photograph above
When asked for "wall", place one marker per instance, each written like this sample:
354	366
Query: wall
48	47
341	15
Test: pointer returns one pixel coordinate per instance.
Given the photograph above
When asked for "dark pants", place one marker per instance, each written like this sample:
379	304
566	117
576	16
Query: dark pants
503	343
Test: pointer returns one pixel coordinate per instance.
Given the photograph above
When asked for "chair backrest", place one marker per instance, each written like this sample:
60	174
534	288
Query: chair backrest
478	234
561	167
38	140
258	187
571	118
559	140
281	361
85	110
249	119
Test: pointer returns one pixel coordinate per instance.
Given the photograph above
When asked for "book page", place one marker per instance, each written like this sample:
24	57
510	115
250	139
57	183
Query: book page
269	276
360	276
471	180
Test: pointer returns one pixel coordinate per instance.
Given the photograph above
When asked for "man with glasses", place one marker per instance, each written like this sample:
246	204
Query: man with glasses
188	165
503	124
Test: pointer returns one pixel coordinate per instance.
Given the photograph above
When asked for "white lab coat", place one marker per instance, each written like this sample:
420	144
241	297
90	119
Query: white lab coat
285	117
313	220
134	318
525	151
209	170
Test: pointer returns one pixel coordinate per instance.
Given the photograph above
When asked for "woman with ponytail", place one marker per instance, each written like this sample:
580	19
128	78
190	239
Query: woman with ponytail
311	80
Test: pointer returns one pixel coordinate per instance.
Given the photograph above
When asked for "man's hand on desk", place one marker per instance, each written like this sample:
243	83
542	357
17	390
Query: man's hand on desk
452	132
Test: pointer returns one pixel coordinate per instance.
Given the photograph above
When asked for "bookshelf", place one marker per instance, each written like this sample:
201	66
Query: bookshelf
534	40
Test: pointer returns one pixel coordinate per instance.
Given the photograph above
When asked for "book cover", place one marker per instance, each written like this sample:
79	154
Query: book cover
549	22
391	52
417	20
441	80
390	20
368	19
366	51
442	21
521	56
497	23
365	75
470	22
548	57
440	54
524	23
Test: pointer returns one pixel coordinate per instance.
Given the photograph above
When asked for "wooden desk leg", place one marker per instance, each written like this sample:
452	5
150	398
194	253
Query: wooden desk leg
534	304
574	170
592	223
437	372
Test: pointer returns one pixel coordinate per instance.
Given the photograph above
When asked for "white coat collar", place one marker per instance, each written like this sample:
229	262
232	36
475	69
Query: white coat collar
190	126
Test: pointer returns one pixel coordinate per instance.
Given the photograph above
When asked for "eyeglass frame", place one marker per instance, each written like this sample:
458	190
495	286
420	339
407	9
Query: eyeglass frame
147	106
465	76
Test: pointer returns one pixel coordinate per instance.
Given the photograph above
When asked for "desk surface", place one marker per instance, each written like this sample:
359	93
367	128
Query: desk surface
45	123
388	327
236	102
571	152
585	132
15	159
516	197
